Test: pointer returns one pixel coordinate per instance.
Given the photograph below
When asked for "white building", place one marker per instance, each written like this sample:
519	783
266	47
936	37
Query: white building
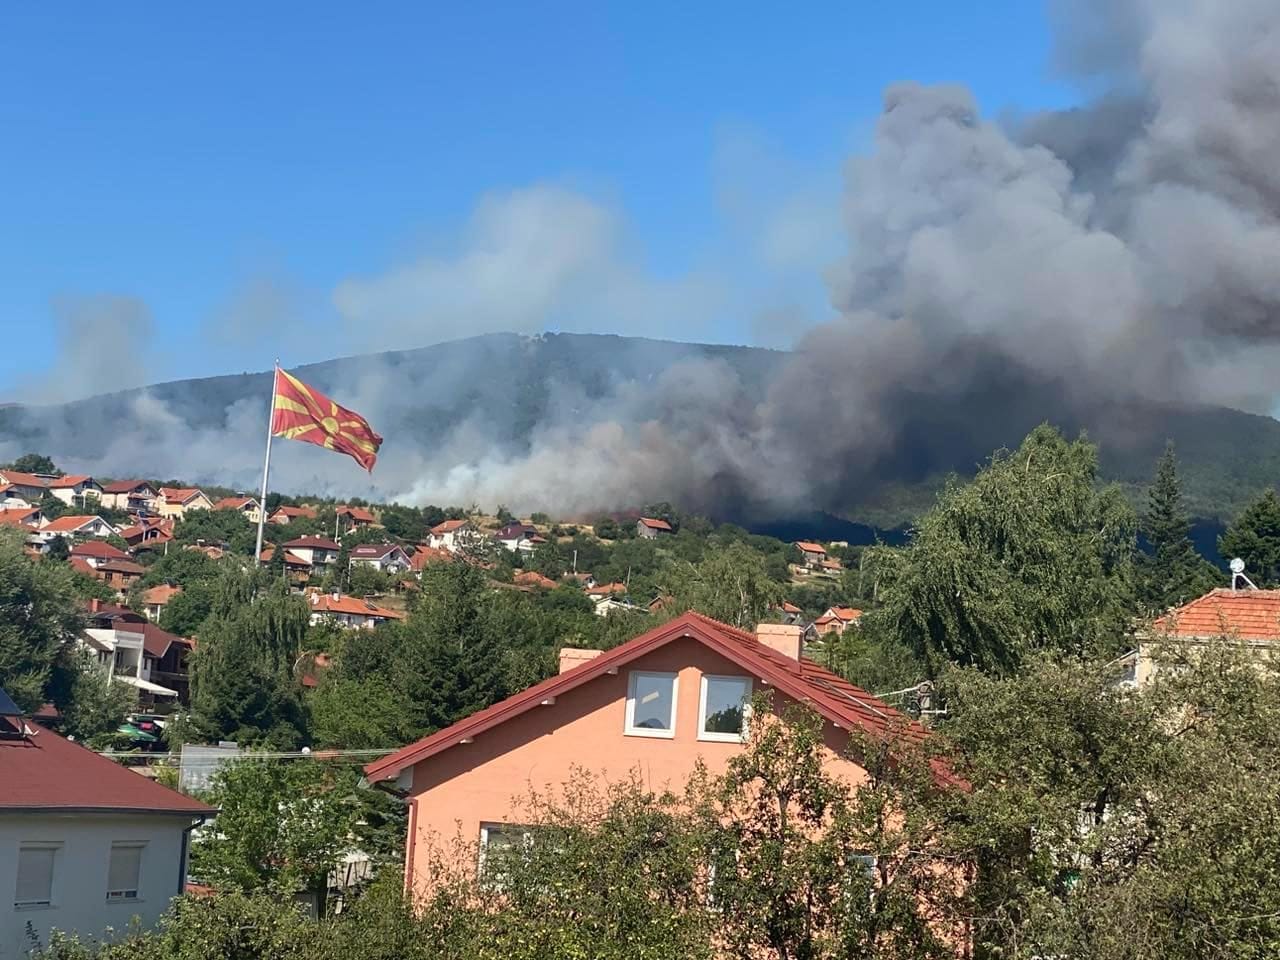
85	844
383	557
451	535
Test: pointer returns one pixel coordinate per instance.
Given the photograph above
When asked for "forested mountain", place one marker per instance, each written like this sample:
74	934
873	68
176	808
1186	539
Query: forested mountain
492	404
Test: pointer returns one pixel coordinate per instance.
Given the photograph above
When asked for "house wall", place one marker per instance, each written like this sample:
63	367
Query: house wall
456	791
80	873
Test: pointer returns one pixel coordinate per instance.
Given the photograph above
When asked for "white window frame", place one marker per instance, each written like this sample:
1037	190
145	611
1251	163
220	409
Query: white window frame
126	895
53	847
526	839
631	729
711	735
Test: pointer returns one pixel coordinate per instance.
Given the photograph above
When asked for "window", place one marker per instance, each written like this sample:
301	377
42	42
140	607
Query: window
499	842
35	874
651	705
123	871
724	708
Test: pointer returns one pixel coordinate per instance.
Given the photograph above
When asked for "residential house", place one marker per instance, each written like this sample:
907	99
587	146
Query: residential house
75	527
120	574
97	552
29	486
451	535
149	533
135	496
811	554
598	591
75	490
423	556
12	499
836	620
164	660
297	570
116	636
650	529
789	612
155	599
354	518
87	846
831	566
350	612
176	502
247	507
658	706
520	537
285	514
383	557
533	580
604	606
316	551
30	517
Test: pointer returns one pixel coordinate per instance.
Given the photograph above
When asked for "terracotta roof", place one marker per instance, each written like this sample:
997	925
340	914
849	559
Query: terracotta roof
24	479
98	548
607	588
179	494
1246	614
81	565
70	480
352	606
45	772
18	517
847	614
307	512
234	503
448	526
372	551
808	546
531	578
356	513
515	531
157	642
290	559
831	564
125	566
789	607
425	555
159	595
67	524
125	486
310	542
653	524
831	696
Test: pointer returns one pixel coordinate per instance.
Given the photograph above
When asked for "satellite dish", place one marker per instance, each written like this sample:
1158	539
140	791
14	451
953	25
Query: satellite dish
1237	565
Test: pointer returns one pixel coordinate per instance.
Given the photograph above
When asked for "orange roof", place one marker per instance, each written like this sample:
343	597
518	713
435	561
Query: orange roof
81	565
158	596
178	494
234	503
327	603
847	614
67	524
448	526
608	588
1246	614
808	546
308	512
18	516
356	513
23	479
531	578
69	480
425	555
789	607
655	524
98	548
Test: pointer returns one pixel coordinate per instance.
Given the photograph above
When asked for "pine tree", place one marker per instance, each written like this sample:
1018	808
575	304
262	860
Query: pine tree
1173	572
1254	537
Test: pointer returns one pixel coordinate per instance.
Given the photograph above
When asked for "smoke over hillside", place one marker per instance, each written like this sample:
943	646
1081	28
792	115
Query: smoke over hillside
1050	266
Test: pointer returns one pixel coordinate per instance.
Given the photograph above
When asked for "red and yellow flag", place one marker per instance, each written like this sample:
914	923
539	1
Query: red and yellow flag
300	412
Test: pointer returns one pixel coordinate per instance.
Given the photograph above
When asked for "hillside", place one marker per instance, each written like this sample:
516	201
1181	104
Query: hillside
505	412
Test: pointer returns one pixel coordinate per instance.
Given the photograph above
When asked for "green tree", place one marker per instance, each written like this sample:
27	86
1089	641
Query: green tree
35	463
1030	555
1172	573
731	584
1254	537
186	611
95	705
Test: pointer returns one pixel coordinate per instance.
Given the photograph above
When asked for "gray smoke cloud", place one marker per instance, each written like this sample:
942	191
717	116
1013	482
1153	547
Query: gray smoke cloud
995	274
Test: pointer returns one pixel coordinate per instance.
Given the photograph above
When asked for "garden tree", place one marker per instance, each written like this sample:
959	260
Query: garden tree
662	511
282	827
242	681
504	515
59	550
607	528
218	526
1172	573
550	560
35	463
182	568
52	508
359	713
1030	555
39	615
96	705
186	611
1254	537
731	584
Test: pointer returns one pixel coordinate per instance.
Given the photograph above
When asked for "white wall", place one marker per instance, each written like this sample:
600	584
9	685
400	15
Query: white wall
80	873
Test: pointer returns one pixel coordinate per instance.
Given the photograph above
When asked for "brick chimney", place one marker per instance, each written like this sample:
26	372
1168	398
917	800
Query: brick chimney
95	605
783	637
571	657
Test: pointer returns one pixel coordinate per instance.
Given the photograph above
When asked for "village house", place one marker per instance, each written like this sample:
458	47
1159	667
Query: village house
86	845
349	612
789	612
533	580
75	491
176	502
97	552
354	518
836	620
120	574
74	528
383	557
29	486
314	551
164	661
519	537
297	571
650	529
12	499
155	599
135	496
247	507
604	606
31	517
655	707
423	556
451	535
285	514
812	554
116	637
149	533
598	591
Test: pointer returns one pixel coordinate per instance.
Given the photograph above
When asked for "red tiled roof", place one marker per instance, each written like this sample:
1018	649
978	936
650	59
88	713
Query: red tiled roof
531	578
373	551
81	565
45	772
159	595
124	486
307	512
356	513
67	524
313	543
847	614
653	524
352	606
98	548
18	517
290	559
62	483
831	696
808	546
448	526
178	494
23	479
157	642
234	503
125	566
425	555
1246	614
607	588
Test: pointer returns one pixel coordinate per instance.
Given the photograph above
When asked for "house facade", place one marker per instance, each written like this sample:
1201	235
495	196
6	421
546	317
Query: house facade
383	557
650	528
135	496
655	706
836	620
86	845
30	486
175	502
451	535
285	514
354	518
12	499
316	551
117	639
812	555
247	507
155	599
75	490
350	613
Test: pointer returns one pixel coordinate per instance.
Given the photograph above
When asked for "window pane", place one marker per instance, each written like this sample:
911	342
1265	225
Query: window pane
726	697
654	703
122	874
35	875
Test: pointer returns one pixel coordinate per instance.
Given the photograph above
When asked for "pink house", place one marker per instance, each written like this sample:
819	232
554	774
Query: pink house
654	705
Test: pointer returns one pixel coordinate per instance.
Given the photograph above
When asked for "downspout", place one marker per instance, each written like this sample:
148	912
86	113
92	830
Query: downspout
182	858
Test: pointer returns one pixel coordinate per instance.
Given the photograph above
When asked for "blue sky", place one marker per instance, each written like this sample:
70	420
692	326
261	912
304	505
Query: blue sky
226	182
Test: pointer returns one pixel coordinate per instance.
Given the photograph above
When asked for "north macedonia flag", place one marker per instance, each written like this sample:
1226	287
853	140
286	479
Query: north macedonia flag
304	413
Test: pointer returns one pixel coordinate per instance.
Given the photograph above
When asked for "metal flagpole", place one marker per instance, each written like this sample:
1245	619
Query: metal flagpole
266	465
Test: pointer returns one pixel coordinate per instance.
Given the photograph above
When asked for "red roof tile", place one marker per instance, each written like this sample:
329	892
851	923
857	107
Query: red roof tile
531	578
425	555
126	566
70	480
1246	614
808	546
448	526
295	512
125	486
653	524
98	548
312	543
81	565
179	494
356	513
373	551
67	524
352	606
24	479
45	772
831	696
18	517
847	614
157	642
159	595
234	503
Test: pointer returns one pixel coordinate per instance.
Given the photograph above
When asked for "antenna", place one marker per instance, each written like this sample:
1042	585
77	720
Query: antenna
1237	574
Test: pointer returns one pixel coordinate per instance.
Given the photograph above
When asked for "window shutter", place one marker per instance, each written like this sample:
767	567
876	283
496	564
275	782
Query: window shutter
122	874
35	875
